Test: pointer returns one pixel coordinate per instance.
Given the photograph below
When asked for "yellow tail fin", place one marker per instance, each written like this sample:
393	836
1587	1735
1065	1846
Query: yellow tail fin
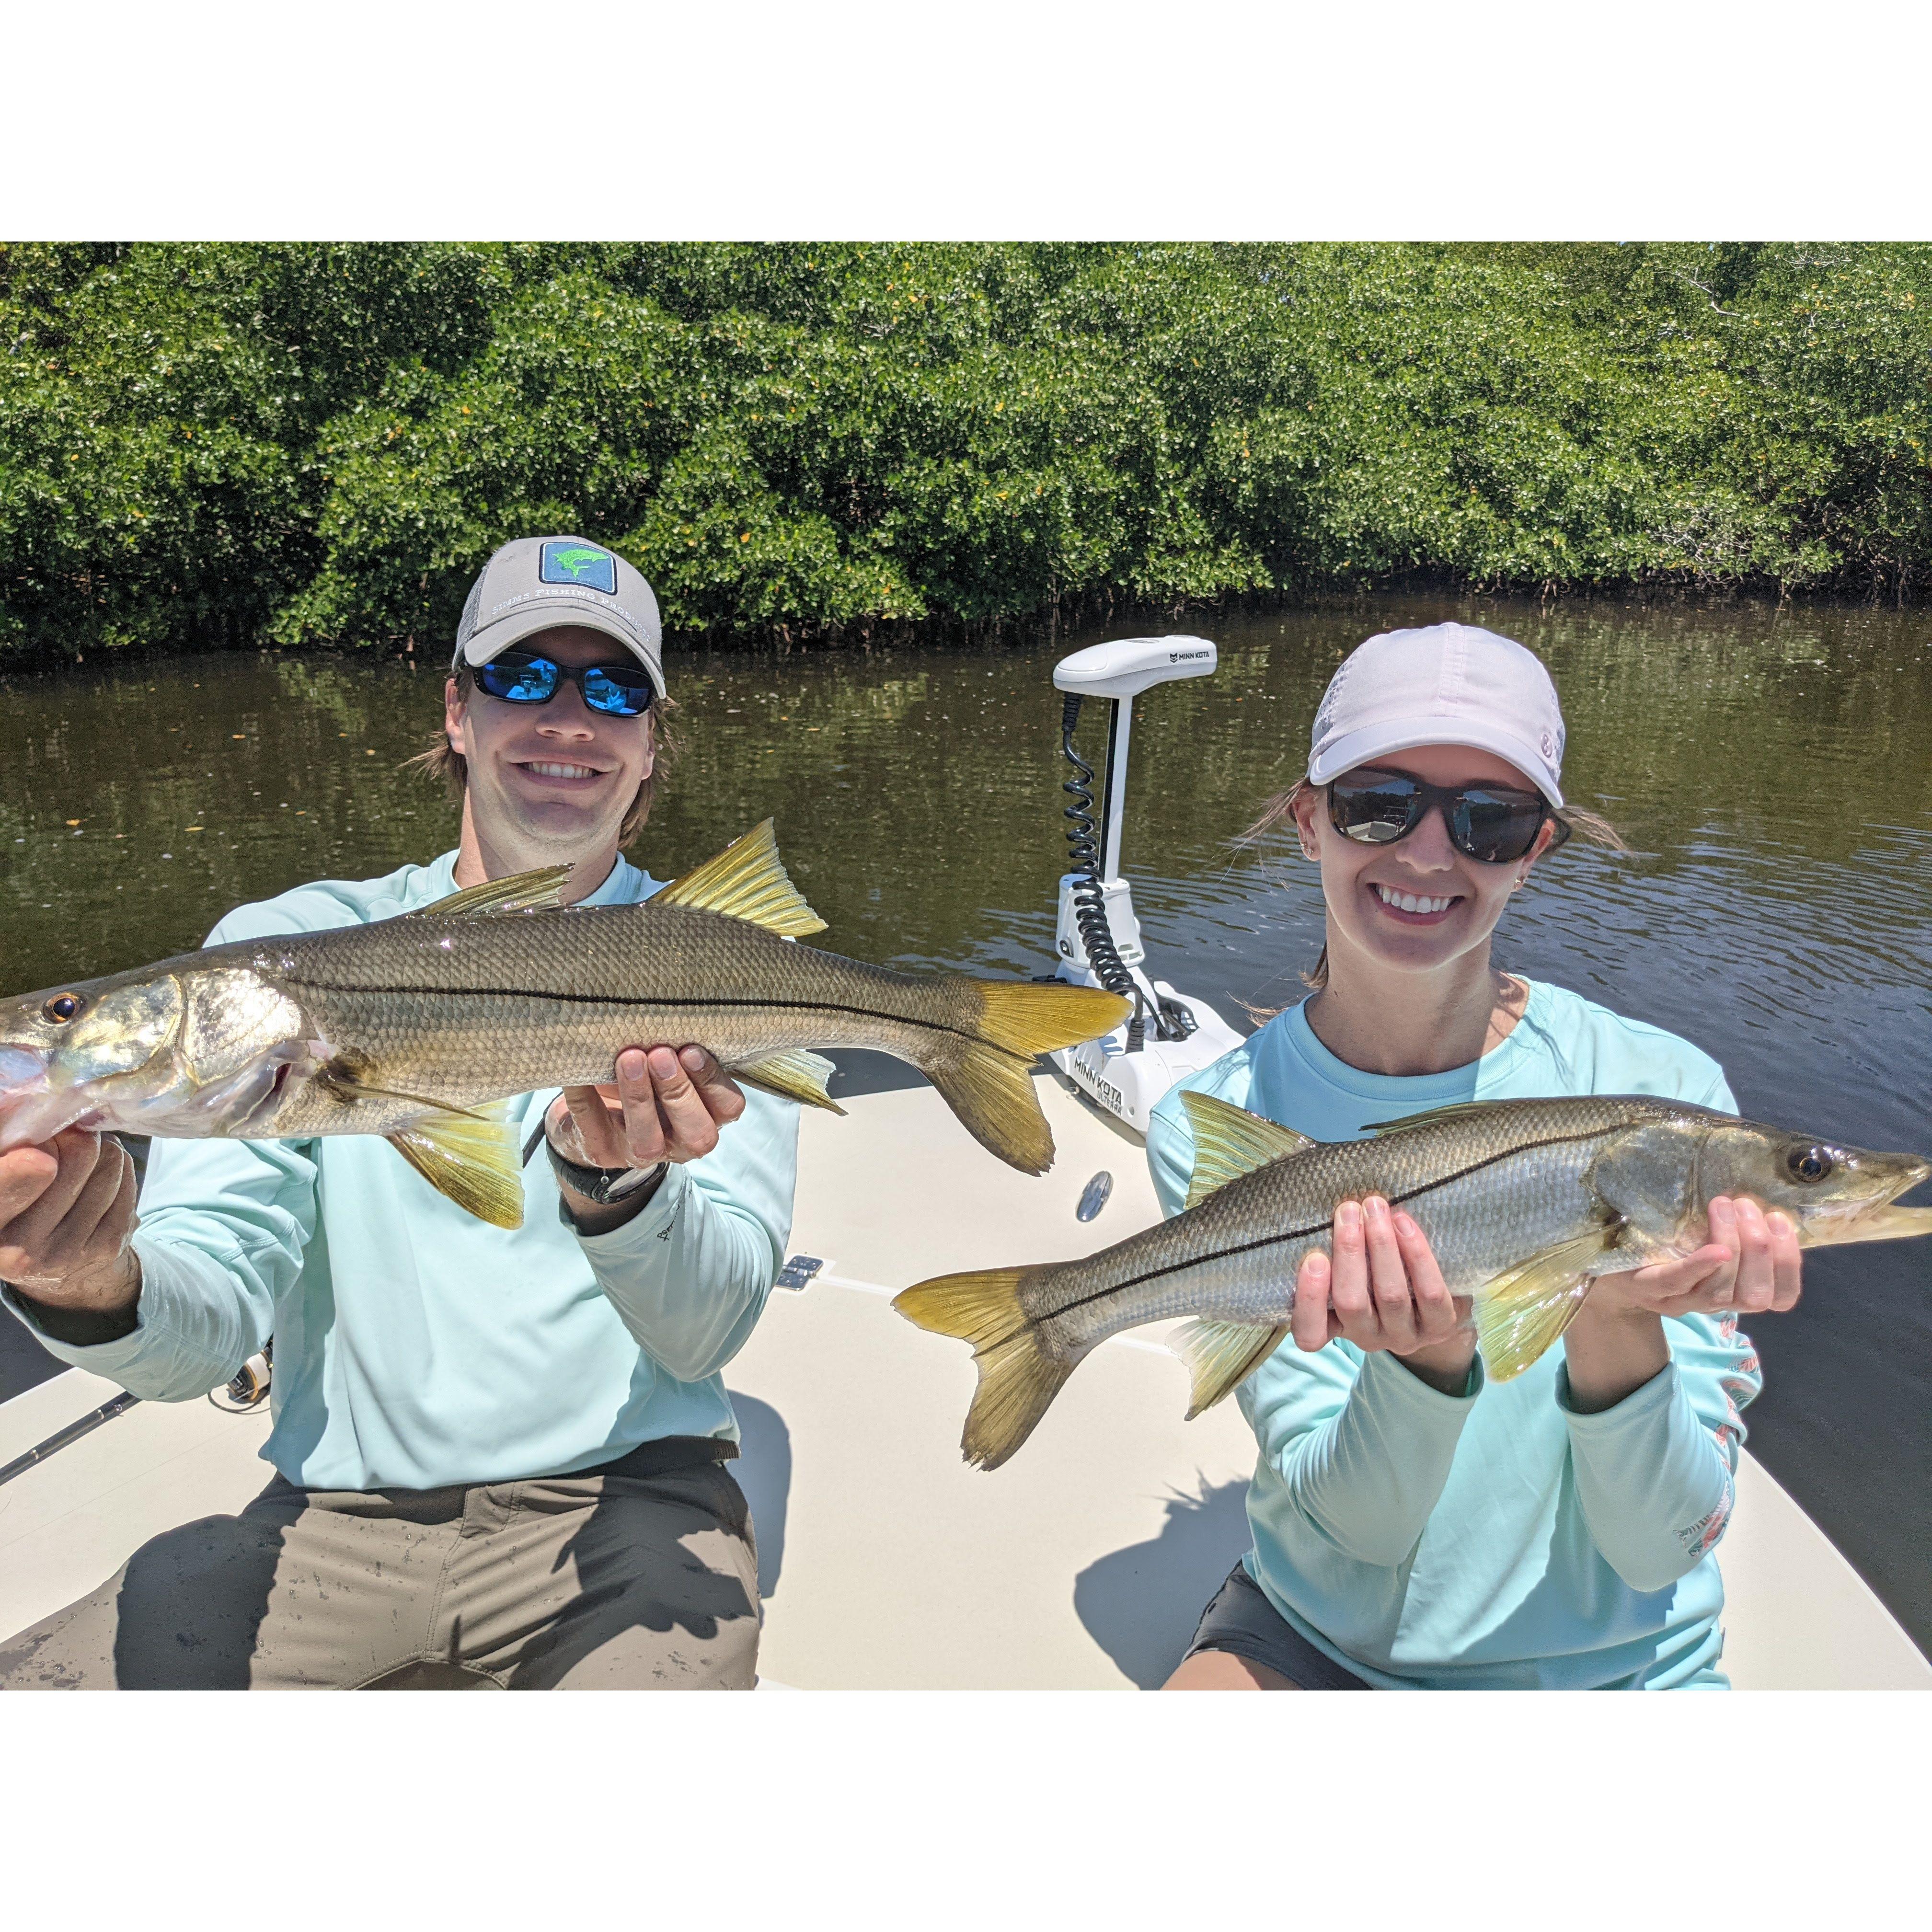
987	1081
1030	1017
991	1093
1018	1379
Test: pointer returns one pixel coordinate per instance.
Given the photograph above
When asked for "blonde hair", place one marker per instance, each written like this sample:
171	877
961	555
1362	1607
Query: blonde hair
442	760
1589	825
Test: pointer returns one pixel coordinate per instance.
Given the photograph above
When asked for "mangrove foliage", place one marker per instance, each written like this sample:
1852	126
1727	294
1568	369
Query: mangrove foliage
318	445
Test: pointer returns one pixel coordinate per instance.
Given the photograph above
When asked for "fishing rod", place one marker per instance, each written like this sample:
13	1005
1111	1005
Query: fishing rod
73	1432
246	1390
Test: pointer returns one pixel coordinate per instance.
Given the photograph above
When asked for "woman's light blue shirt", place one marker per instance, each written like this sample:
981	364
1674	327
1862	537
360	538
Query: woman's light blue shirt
1497	1539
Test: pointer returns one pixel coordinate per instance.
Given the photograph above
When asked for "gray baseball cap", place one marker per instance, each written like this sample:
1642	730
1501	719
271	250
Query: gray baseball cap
1443	684
535	582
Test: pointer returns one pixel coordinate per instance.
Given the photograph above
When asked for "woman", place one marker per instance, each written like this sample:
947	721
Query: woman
1414	1527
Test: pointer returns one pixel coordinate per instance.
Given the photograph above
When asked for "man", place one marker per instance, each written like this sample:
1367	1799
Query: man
500	1456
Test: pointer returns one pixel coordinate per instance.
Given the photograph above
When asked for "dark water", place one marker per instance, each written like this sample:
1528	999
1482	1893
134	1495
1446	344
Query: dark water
1773	769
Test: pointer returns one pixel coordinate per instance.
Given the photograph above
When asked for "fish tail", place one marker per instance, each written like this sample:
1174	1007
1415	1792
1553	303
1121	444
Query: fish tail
1031	1017
986	1079
1018	1379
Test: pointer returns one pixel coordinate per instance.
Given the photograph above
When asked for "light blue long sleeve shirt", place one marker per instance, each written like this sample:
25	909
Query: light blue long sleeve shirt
1497	1539
414	1344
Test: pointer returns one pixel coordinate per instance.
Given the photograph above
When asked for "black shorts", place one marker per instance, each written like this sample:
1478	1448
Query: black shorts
1242	1622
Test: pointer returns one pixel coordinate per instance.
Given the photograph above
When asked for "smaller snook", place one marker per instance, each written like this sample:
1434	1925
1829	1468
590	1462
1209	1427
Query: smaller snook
1526	1203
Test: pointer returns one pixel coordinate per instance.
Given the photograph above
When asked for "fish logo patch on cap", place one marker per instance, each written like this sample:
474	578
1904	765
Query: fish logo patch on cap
579	563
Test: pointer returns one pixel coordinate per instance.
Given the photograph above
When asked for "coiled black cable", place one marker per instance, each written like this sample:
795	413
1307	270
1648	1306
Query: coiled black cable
1083	858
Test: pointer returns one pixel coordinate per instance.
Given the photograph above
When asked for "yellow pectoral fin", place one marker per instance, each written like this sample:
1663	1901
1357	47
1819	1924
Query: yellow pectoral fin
351	1087
473	1158
1229	1142
799	1075
1519	1314
746	880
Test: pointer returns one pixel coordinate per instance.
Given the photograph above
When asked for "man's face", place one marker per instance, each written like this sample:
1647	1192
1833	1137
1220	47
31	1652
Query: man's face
549	783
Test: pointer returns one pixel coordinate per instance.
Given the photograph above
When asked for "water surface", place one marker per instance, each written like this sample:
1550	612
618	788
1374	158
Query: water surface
1772	769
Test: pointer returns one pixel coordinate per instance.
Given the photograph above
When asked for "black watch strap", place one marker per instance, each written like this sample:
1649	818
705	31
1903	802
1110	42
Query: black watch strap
605	1185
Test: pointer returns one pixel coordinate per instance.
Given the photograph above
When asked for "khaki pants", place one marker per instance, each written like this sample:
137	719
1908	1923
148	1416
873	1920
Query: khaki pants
559	1582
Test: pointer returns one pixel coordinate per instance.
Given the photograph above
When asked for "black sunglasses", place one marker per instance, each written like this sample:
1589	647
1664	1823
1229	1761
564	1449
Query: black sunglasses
1492	824
516	677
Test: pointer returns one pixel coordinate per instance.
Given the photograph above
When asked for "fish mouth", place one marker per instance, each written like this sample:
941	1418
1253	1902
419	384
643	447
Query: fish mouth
1408	908
23	1080
31	1116
1915	1170
1876	1215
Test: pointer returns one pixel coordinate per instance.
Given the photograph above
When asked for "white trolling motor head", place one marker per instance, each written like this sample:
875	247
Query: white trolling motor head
1098	940
1126	666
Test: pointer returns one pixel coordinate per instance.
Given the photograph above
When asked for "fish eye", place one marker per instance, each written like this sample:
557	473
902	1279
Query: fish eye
63	1007
1810	1163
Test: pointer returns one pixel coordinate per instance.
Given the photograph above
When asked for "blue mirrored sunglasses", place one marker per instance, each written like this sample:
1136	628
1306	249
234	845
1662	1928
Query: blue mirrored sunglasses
617	691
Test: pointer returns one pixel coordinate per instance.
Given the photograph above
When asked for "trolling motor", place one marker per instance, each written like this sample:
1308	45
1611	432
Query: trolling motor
1168	1035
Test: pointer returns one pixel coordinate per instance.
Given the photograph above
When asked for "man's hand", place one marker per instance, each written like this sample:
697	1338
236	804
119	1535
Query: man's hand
668	1104
67	1215
1383	1289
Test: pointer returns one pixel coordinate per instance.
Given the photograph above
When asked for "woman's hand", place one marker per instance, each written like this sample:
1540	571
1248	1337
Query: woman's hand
1383	1289
1749	1263
1616	1344
668	1104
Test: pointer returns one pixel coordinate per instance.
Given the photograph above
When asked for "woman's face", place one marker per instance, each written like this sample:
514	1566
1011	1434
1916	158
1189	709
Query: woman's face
1416	904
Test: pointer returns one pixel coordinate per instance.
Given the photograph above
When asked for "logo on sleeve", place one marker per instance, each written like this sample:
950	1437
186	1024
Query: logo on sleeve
565	562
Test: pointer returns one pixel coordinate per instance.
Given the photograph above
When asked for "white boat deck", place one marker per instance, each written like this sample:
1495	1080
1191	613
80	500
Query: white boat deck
885	1561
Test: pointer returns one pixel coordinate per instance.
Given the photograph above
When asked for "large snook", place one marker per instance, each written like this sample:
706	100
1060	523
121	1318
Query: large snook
1524	1202
407	1028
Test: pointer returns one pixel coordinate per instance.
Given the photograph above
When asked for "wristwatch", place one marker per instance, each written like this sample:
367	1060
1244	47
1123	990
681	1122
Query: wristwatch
605	1185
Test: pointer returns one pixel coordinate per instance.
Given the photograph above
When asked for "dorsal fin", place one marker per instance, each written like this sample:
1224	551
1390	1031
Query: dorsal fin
1456	1110
746	880
521	891
1229	1142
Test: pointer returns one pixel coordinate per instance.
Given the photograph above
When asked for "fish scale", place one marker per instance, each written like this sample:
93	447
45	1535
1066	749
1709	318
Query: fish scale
1526	1204
1479	1208
408	1027
440	1012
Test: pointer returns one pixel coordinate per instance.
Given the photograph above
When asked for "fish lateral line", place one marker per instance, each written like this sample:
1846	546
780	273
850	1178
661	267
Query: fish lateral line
1315	1227
1181	1267
620	999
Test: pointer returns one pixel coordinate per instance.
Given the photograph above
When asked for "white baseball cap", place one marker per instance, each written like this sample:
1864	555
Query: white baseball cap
1442	684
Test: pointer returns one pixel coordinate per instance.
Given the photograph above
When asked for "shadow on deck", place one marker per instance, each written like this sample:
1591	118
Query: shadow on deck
1141	1604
